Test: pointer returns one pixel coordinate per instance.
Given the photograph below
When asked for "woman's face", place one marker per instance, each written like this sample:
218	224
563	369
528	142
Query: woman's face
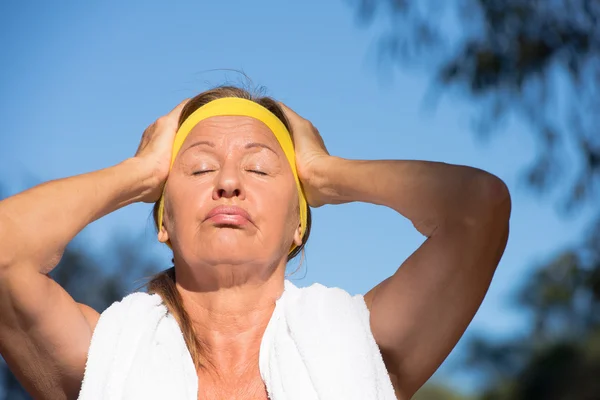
231	197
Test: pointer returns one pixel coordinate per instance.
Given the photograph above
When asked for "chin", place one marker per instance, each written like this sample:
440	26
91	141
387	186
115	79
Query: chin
237	255
231	246
229	253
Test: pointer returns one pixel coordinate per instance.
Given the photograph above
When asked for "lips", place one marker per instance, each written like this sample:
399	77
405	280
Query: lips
228	215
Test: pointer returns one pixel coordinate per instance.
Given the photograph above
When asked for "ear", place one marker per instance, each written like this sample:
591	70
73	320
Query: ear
163	235
298	236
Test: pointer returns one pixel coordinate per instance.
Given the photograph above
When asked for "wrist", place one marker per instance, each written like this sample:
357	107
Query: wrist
147	182
325	179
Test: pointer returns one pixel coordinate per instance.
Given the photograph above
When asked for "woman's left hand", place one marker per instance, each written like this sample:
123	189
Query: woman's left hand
311	157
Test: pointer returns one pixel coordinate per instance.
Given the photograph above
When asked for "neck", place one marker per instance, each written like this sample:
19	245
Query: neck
231	320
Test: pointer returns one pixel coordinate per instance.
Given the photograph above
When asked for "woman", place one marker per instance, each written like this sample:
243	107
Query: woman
232	211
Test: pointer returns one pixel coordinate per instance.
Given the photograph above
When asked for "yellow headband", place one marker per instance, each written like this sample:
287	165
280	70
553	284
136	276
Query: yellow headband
235	106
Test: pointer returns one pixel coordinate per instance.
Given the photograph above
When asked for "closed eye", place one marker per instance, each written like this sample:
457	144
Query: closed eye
202	172
257	172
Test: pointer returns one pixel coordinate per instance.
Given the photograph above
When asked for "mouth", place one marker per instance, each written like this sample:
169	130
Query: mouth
228	216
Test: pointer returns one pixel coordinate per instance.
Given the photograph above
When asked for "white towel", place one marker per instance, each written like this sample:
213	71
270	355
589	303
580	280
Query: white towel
318	345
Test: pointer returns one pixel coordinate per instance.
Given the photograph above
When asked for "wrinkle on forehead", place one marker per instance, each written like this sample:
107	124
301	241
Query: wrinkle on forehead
220	126
228	135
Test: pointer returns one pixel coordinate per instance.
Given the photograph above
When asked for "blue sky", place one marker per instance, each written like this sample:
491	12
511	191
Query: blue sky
80	82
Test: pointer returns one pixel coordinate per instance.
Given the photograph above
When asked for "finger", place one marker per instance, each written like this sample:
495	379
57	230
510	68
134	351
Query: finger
290	114
176	112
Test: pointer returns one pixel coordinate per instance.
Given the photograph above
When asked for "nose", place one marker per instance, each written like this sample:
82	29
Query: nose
228	184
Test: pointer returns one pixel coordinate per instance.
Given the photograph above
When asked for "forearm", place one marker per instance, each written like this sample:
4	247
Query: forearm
427	193
37	224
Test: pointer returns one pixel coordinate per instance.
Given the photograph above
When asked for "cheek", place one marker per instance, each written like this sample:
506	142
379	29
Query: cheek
278	208
186	202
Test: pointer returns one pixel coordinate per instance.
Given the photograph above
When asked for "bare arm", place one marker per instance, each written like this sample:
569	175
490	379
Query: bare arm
44	333
419	314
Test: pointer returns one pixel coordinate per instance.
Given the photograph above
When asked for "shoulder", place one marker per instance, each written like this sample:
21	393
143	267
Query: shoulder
134	304
130	303
317	289
90	315
119	326
318	298
134	310
126	333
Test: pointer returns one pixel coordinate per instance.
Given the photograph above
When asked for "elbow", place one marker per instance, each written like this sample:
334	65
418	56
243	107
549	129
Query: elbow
489	200
496	194
498	197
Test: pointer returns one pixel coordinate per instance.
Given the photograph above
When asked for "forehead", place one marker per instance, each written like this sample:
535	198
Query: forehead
231	128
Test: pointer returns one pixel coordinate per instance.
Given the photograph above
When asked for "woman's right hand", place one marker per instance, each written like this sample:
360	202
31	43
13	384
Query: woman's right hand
156	147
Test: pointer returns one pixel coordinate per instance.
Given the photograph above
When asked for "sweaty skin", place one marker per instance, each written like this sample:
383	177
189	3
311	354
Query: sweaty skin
230	279
419	313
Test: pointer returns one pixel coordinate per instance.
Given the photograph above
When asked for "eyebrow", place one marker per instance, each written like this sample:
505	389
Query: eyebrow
261	145
199	143
250	145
